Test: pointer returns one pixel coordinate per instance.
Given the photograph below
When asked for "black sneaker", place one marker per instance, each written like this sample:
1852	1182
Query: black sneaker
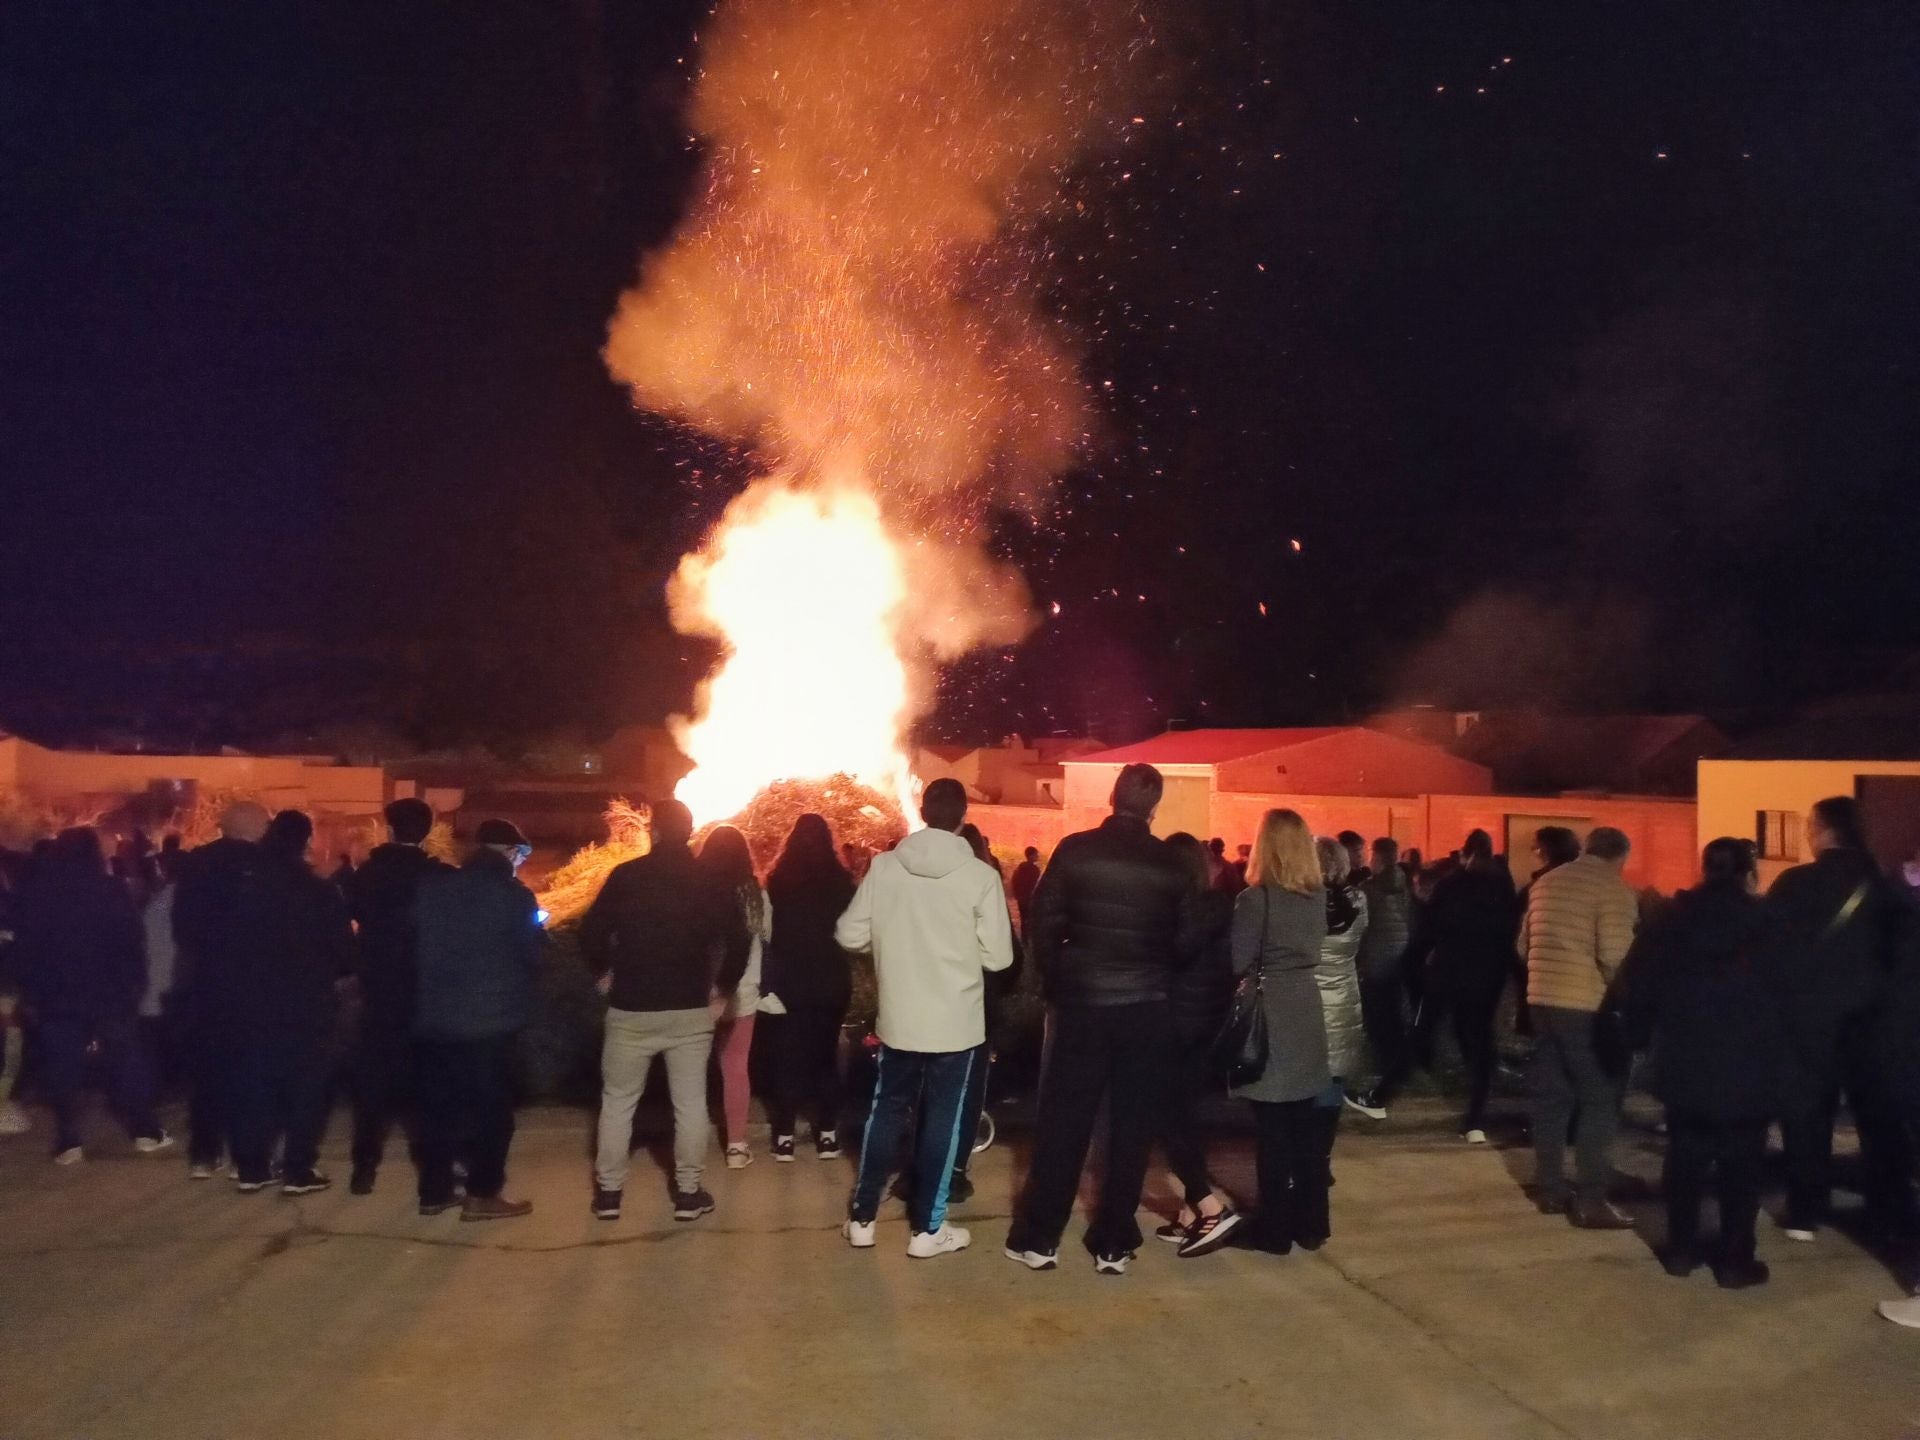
606	1204
1034	1259
310	1183
361	1181
691	1204
1115	1263
248	1184
959	1189
783	1149
437	1207
1173	1232
1209	1233
827	1145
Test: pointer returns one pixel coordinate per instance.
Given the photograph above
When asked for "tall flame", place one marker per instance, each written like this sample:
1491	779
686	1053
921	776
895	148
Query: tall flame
851	296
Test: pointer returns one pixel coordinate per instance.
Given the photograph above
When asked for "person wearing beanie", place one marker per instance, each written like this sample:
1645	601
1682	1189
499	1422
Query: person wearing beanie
477	940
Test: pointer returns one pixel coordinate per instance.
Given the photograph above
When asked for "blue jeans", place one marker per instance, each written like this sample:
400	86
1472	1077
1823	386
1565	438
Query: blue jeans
937	1083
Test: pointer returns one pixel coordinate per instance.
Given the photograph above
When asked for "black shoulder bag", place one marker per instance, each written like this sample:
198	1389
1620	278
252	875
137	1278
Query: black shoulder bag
1241	1047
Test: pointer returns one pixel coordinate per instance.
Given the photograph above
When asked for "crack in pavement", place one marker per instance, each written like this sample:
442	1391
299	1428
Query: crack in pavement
1440	1342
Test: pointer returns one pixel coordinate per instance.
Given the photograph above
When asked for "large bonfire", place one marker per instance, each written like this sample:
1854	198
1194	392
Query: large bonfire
853	297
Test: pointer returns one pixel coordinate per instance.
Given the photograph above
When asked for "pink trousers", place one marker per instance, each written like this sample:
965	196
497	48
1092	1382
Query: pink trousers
735	1043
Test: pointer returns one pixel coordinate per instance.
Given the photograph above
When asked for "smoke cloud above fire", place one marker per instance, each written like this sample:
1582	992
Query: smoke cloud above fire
855	295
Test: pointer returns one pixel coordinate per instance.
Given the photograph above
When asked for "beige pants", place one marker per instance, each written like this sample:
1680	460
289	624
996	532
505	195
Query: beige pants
634	1037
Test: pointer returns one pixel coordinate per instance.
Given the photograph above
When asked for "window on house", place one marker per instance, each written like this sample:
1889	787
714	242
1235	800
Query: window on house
1778	834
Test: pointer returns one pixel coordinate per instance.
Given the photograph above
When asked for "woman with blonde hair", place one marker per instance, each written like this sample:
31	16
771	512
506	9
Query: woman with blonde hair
1279	927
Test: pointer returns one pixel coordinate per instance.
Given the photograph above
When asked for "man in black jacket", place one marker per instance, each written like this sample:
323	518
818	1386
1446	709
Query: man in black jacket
221	924
477	946
380	895
1113	920
675	945
1834	927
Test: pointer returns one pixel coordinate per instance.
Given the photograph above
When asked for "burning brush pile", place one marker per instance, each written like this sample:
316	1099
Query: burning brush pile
857	814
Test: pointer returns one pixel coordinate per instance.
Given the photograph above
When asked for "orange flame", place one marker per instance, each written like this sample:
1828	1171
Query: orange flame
851	296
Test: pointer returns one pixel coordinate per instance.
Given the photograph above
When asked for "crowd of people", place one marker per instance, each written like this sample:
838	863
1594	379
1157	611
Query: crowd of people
1751	1011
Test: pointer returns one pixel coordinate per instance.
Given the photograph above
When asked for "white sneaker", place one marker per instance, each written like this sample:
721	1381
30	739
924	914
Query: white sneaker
1474	1137
1902	1312
1114	1264
738	1157
201	1172
153	1144
13	1120
944	1241
70	1156
1804	1237
859	1234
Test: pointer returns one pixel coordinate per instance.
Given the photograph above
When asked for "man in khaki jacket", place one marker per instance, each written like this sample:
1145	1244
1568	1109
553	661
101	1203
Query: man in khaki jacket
1579	924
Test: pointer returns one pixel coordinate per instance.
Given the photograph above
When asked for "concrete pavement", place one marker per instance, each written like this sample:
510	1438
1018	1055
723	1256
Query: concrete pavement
135	1303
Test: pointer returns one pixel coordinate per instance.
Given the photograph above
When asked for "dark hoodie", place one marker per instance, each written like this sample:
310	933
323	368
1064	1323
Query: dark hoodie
1696	992
79	944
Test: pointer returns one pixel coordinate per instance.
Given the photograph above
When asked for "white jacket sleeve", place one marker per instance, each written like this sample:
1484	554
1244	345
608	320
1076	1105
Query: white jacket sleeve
855	928
992	926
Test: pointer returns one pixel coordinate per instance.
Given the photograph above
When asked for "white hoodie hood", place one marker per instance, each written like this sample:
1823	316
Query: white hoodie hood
935	919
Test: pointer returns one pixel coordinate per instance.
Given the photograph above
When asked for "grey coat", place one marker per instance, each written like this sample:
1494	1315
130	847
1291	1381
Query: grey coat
1282	933
1383	948
1338	978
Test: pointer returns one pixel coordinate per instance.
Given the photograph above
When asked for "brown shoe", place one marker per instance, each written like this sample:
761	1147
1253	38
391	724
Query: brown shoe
492	1207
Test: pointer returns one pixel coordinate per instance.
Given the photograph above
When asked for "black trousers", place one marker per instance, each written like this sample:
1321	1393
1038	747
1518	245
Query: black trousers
209	1079
1383	1011
1293	1161
382	1083
1471	1002
1807	1117
278	1089
63	1068
1192	1077
1729	1153
1118	1053
806	1068
466	1109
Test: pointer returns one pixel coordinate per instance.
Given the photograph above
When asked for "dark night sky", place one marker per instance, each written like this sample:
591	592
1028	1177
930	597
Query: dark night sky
1595	388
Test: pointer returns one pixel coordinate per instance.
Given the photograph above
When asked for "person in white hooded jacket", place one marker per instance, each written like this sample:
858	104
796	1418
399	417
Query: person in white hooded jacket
935	919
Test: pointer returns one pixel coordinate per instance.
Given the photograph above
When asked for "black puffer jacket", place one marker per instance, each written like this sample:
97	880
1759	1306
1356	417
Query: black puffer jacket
79	941
1695	991
1383	947
1115	918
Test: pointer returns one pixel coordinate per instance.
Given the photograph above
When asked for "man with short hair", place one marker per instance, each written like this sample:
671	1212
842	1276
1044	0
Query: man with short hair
221	925
1578	928
1355	844
380	896
1113	920
478	943
675	945
934	917
1837	926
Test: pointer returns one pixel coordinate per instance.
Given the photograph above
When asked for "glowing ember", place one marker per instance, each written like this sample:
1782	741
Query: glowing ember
854	296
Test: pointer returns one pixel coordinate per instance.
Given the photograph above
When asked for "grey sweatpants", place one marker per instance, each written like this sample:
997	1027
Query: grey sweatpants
634	1037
